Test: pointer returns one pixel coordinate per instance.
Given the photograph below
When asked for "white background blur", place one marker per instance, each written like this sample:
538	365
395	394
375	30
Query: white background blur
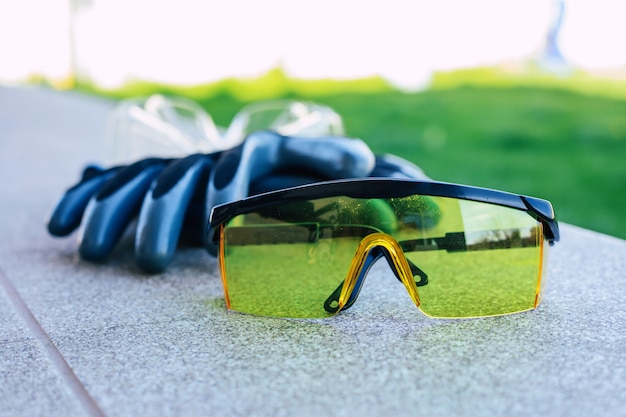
190	42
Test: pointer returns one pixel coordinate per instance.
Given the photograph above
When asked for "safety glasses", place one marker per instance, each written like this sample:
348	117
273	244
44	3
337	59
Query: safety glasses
460	251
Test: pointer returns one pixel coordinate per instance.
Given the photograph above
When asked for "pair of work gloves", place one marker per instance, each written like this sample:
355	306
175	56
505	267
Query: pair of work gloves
277	145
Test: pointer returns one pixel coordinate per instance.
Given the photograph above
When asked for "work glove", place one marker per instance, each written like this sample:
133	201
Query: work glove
173	197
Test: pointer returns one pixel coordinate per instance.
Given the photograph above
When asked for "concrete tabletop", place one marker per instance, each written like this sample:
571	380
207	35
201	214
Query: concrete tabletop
83	339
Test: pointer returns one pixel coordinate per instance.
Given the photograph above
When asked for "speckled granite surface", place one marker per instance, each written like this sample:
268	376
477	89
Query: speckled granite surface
83	339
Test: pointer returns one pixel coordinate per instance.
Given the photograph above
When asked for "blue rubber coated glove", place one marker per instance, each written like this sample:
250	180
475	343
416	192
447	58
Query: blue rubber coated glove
169	196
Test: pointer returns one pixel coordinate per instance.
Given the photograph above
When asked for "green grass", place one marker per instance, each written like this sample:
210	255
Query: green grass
557	141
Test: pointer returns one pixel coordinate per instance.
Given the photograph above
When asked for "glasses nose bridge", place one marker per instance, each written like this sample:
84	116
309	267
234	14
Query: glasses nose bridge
371	248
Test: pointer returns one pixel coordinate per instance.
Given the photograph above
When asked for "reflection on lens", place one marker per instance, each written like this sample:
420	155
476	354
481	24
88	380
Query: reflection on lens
481	259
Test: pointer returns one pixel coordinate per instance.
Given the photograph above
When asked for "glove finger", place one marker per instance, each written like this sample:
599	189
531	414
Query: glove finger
114	206
331	157
68	212
387	166
392	166
281	180
164	209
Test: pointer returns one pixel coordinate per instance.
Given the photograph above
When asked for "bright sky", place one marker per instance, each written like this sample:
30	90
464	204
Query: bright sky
189	41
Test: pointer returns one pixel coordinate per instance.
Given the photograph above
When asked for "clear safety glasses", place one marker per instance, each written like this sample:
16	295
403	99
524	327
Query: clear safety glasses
460	251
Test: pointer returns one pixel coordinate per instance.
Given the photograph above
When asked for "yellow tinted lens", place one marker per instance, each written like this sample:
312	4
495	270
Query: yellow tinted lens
287	278
469	259
480	259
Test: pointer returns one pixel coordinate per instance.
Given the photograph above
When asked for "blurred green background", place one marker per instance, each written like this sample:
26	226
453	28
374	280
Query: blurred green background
562	139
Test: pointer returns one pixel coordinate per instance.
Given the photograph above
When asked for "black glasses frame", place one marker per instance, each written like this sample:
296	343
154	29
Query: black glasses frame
364	188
